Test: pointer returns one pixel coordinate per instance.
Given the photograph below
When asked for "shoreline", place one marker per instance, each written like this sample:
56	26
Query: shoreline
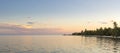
98	36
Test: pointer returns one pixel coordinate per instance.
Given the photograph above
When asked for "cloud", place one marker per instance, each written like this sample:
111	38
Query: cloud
30	23
88	22
11	29
102	22
29	18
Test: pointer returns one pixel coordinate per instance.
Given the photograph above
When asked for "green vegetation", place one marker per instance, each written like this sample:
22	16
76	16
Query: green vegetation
114	32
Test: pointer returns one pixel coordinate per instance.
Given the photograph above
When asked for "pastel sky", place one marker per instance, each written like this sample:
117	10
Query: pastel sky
56	16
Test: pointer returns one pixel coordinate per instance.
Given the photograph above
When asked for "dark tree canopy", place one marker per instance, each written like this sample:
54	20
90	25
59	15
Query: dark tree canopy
101	31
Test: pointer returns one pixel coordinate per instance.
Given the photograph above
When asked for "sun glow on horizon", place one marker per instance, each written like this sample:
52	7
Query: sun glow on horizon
27	26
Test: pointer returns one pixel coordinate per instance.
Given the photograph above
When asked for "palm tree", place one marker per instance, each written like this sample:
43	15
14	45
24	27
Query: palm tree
115	30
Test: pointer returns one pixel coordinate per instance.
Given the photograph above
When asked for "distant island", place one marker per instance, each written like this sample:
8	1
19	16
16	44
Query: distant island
113	32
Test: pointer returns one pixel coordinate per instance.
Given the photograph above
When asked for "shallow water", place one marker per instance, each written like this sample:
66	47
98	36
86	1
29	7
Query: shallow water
58	44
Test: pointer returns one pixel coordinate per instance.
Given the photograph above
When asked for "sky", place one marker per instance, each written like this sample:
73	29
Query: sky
56	16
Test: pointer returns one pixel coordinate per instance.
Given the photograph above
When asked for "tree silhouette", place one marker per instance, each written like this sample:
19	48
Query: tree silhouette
114	32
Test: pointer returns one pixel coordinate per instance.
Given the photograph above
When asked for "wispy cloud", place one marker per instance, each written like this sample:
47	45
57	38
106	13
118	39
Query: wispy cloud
30	23
10	29
102	22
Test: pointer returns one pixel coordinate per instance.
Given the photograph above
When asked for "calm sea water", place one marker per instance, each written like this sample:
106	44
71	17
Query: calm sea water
58	44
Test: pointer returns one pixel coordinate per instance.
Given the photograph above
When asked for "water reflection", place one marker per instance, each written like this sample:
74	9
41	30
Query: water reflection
58	44
110	44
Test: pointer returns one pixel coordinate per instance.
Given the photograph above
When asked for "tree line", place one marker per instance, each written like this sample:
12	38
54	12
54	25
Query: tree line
115	31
